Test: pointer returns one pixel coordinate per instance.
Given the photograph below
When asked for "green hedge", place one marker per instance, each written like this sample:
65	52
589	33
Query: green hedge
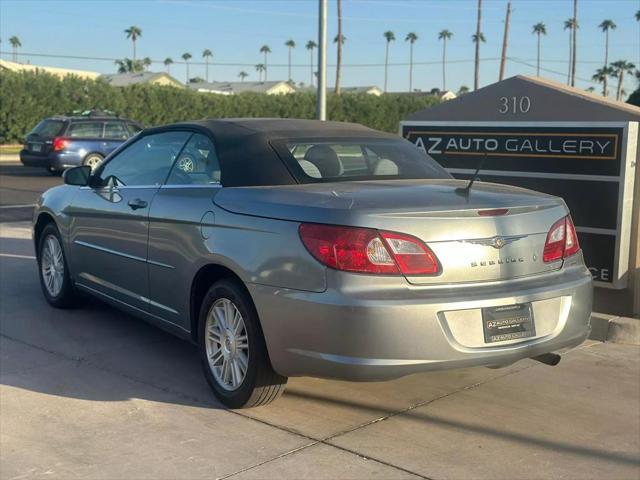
26	98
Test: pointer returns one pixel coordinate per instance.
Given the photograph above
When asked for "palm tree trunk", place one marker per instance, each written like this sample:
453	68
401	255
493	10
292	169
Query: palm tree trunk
444	62
619	92
605	84
574	32
265	66
476	74
311	66
386	66
207	69
411	67
538	62
289	63
187	82
134	49
339	52
570	57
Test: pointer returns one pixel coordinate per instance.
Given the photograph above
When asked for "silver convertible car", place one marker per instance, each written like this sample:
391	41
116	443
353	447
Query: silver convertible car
296	247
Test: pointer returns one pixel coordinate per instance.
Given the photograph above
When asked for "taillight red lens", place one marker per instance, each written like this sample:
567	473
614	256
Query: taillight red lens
59	143
365	250
562	241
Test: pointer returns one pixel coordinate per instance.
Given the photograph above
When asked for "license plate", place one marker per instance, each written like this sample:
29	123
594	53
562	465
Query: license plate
36	147
508	322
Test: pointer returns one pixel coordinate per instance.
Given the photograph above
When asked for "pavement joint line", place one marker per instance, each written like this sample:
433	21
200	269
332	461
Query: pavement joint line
13	255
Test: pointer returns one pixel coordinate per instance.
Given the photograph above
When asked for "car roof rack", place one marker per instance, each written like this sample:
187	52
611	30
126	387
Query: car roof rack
93	112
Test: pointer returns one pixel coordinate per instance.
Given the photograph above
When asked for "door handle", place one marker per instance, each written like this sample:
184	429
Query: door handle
137	203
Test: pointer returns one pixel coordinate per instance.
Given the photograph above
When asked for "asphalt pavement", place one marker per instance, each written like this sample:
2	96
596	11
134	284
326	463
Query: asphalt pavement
20	186
94	393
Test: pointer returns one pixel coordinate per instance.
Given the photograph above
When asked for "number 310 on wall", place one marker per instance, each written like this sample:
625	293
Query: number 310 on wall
514	104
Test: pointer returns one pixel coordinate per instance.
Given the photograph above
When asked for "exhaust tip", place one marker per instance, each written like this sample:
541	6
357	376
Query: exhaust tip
551	359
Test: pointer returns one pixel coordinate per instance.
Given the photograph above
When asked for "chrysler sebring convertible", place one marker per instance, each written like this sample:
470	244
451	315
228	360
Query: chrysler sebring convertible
295	247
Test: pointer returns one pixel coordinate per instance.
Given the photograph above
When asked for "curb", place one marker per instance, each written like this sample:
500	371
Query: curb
615	329
9	158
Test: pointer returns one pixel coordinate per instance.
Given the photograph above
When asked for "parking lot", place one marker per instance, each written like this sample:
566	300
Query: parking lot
93	393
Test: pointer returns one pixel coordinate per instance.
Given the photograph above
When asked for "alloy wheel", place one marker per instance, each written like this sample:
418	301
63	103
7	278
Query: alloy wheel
52	265
227	344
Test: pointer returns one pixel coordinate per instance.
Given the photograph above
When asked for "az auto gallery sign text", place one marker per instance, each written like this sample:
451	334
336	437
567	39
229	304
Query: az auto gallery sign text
582	164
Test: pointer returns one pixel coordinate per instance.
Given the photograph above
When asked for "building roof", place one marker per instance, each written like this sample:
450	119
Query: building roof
363	89
125	79
230	88
549	100
59	72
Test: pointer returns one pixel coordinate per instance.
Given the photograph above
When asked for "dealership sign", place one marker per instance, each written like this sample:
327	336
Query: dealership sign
590	165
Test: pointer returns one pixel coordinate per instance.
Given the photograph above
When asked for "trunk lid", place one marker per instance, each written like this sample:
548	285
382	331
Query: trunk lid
470	247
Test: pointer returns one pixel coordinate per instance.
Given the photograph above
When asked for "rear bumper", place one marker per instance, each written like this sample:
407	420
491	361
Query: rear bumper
55	160
369	333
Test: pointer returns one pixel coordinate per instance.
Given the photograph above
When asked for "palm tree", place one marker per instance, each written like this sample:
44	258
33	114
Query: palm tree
411	38
146	63
186	57
133	33
477	38
310	46
260	68
637	15
390	37
207	54
569	24
339	41
243	75
539	29
462	90
444	35
167	63
290	44
126	65
606	26
15	45
265	50
574	41
601	75
619	69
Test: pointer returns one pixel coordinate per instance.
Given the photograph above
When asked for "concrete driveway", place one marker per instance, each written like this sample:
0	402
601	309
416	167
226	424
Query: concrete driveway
93	393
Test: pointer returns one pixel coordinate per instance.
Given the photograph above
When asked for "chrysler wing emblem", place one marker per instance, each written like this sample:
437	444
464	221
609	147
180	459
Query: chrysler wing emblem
498	241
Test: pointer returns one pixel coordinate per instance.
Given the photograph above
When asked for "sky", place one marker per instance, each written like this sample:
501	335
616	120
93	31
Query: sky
234	30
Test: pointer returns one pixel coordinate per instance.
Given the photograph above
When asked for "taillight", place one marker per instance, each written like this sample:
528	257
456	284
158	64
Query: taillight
365	250
60	143
562	241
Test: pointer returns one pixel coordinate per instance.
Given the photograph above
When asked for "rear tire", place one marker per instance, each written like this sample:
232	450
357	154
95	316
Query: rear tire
233	351
53	269
93	160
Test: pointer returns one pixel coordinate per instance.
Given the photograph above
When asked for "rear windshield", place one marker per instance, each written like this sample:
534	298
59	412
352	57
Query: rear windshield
369	159
48	128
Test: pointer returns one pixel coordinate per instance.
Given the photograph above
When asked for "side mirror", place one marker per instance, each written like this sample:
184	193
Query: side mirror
78	176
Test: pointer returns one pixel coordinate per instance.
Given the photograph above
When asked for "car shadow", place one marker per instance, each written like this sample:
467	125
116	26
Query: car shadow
19	170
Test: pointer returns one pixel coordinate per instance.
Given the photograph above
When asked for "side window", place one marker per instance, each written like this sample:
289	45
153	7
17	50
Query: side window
85	130
115	130
133	128
197	165
146	161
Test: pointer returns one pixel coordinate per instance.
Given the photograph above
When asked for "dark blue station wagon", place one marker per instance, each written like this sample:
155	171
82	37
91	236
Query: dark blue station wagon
60	142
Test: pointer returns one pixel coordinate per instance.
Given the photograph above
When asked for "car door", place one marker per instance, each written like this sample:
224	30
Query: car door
180	222
110	221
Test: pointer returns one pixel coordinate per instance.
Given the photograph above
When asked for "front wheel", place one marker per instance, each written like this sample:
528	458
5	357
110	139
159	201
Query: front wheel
233	351
54	273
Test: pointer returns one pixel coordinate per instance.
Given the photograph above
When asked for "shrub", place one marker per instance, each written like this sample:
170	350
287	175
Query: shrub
26	98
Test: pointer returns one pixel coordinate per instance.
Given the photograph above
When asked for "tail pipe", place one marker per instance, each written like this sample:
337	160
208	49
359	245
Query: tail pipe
551	359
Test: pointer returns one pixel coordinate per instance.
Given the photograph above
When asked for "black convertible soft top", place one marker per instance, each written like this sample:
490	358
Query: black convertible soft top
245	151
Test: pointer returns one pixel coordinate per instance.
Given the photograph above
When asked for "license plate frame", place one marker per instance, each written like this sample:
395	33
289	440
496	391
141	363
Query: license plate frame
508	322
36	147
